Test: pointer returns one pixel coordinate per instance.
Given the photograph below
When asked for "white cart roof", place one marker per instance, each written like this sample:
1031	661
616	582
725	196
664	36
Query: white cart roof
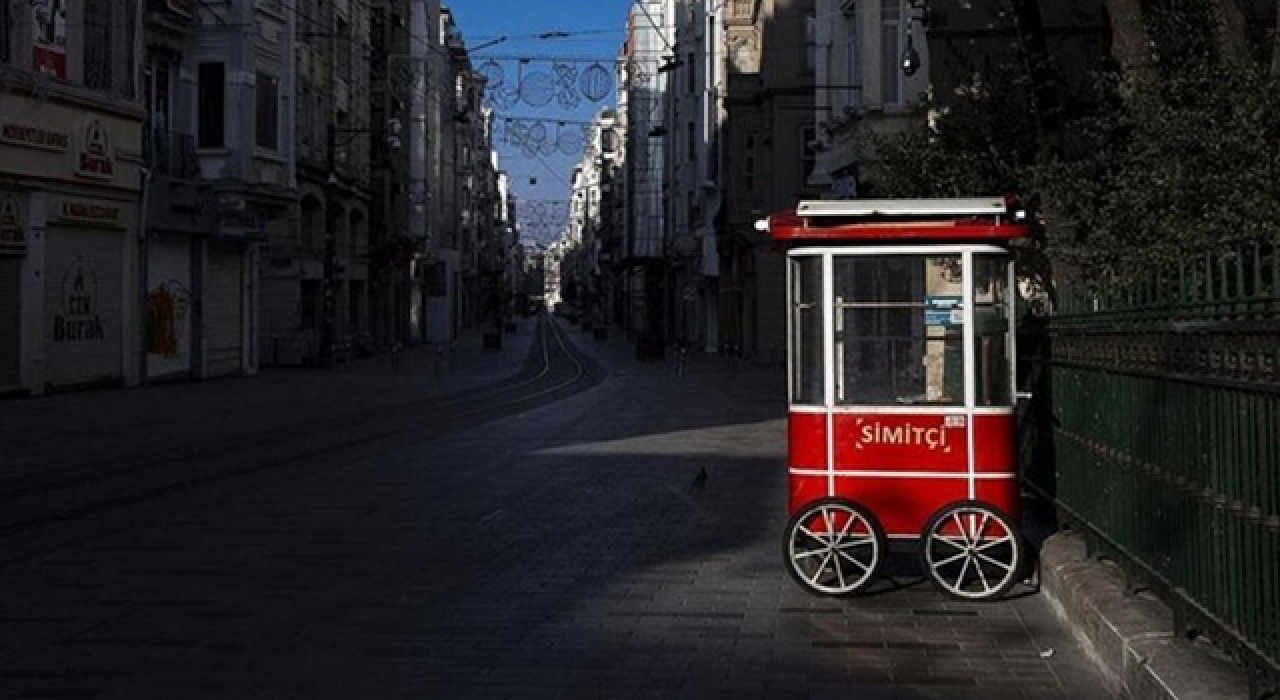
968	206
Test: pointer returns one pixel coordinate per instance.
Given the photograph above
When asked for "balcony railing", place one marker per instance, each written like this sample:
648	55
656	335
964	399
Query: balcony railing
173	154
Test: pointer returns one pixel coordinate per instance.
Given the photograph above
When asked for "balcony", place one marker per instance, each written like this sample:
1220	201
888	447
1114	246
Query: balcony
172	154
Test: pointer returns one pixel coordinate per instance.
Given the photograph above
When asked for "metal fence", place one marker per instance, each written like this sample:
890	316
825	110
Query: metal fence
1156	430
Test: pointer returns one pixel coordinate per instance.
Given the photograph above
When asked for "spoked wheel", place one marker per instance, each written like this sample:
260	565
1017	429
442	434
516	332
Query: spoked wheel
834	547
972	551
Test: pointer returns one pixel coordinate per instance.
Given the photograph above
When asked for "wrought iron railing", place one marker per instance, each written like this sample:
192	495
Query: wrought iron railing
173	154
1159	436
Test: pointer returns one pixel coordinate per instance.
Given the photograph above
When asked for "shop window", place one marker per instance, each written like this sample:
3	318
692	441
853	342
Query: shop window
212	102
267	115
993	373
899	327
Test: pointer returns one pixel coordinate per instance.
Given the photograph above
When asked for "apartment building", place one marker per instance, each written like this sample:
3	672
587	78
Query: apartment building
71	165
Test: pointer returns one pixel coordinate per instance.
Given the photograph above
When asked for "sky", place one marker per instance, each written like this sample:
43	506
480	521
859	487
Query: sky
601	24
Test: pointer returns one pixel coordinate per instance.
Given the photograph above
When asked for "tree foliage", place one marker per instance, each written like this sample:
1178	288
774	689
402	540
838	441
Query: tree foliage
1185	160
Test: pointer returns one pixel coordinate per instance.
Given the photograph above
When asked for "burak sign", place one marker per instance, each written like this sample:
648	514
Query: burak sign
94	159
78	320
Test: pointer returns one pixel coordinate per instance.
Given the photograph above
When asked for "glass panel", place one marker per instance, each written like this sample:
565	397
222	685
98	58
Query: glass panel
991	316
899	330
806	331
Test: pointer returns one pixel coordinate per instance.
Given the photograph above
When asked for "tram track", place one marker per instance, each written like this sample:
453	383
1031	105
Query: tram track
554	370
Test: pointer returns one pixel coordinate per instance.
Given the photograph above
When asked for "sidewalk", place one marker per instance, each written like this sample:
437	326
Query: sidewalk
1128	635
70	430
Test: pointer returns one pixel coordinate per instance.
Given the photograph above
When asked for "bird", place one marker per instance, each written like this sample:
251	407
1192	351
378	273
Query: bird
700	481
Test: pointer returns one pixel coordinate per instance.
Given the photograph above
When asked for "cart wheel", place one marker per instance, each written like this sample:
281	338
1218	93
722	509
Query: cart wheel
972	551
834	547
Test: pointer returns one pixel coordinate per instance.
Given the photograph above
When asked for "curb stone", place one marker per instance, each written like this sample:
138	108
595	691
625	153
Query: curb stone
1130	636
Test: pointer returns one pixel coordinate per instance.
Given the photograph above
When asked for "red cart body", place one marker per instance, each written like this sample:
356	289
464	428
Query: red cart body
901	344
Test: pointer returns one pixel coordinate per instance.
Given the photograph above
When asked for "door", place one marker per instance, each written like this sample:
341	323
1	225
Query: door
10	322
224	310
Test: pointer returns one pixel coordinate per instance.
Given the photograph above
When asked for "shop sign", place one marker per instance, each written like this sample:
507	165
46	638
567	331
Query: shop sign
94	159
37	137
943	310
77	319
49	37
877	433
88	211
13	240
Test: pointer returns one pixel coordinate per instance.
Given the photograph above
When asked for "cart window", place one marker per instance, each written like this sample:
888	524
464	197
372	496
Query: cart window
899	330
806	331
991	330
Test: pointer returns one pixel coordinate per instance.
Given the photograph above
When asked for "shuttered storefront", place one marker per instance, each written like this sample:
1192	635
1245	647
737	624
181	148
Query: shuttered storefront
168	307
83	306
10	322
224	309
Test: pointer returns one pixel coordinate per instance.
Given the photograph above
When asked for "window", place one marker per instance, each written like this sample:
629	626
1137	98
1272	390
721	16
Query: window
6	27
97	44
212	87
854	48
993	373
891	51
810	42
268	112
806	331
899	328
129	84
691	74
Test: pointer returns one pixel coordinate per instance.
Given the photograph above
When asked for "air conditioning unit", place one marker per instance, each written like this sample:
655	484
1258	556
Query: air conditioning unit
848	7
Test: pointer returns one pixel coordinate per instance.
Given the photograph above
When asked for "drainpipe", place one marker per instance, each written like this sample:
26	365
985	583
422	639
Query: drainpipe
143	282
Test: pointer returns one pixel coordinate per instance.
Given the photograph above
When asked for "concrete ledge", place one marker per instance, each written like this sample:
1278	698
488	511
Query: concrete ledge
1131	635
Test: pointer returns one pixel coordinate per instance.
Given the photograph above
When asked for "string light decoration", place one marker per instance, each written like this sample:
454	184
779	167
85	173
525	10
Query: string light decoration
539	81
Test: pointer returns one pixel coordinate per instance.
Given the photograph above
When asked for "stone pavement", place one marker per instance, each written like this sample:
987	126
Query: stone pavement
83	429
564	552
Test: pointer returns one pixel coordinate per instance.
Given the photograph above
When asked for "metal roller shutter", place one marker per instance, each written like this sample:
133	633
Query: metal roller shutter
10	322
224	309
83	306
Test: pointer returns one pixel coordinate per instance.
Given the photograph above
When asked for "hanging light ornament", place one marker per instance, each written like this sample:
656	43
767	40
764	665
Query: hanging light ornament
596	82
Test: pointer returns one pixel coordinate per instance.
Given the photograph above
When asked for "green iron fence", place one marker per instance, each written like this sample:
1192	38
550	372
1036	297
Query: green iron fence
1157	432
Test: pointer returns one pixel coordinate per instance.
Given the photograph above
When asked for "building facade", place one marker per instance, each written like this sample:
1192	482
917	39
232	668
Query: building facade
770	154
861	87
71	164
315	272
695	123
643	111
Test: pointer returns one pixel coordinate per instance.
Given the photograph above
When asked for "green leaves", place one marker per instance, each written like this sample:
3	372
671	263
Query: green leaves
1184	163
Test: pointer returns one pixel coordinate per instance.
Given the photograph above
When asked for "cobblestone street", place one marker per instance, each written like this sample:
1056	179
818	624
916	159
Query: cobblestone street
560	552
